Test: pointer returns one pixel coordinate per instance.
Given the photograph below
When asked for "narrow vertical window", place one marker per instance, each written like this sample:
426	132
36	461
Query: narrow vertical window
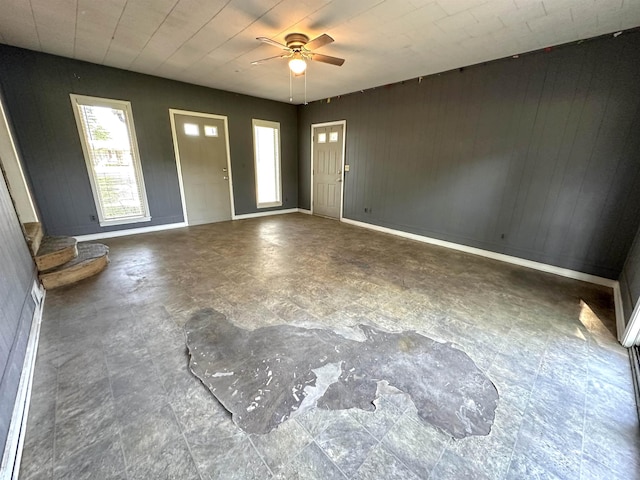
266	142
111	153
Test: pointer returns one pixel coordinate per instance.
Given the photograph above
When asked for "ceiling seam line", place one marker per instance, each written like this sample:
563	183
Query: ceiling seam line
234	36
196	32
35	25
75	31
154	32
113	34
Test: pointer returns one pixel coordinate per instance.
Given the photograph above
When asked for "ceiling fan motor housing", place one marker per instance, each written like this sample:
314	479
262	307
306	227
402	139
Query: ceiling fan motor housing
295	41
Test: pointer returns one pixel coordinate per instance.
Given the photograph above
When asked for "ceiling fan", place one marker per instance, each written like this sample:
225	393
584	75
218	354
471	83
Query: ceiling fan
299	49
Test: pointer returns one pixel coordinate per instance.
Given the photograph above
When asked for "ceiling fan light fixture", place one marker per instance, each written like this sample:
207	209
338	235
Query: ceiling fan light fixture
297	65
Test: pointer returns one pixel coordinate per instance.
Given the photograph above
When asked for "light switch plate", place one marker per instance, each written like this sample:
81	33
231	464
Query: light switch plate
346	168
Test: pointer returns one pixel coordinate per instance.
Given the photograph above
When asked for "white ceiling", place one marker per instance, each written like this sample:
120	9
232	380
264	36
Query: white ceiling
212	42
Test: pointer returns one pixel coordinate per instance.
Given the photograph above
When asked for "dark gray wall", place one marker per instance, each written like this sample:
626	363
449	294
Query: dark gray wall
543	149
37	88
630	279
17	273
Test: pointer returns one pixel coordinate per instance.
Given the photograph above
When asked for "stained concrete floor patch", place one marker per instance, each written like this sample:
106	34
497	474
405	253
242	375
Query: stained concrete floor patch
268	375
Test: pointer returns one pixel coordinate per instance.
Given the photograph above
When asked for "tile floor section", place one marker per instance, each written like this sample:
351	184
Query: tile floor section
113	399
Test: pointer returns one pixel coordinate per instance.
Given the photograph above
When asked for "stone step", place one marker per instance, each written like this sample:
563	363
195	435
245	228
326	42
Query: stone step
55	251
33	233
92	259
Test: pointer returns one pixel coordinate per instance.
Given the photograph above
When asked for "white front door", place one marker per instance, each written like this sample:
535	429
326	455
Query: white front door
200	143
328	142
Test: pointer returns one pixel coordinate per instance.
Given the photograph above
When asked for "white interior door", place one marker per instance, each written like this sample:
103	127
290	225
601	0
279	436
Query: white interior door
202	151
328	143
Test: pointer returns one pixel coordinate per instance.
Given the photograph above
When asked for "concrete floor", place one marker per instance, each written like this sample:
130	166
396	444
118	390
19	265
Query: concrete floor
113	399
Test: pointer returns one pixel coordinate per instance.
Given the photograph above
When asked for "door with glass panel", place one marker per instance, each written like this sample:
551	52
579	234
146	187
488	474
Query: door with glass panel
327	170
201	147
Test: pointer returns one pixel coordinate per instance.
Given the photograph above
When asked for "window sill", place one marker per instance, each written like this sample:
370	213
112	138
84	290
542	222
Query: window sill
124	221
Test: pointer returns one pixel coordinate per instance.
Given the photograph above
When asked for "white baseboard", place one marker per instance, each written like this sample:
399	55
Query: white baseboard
10	467
617	301
130	231
265	214
171	226
543	267
304	210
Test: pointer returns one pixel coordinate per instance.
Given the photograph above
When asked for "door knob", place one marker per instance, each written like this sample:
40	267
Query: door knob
225	178
339	180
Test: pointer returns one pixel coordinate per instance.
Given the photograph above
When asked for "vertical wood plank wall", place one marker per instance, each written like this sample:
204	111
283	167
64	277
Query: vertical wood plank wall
17	273
37	88
536	157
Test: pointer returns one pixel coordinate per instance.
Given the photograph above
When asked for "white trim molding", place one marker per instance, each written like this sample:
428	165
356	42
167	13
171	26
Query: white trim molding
631	334
619	309
305	211
543	267
266	214
12	163
129	231
171	226
12	455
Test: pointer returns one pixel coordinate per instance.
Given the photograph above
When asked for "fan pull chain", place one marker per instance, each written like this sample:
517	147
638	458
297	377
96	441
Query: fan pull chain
305	86
290	88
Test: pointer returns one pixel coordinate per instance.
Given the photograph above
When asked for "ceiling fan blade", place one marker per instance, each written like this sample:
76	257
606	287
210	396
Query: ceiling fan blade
318	42
272	43
317	57
258	62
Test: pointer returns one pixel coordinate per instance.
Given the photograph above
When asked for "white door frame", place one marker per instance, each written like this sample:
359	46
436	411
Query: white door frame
172	113
12	164
344	151
631	334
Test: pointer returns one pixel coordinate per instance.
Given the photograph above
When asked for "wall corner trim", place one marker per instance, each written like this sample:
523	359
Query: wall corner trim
543	267
10	467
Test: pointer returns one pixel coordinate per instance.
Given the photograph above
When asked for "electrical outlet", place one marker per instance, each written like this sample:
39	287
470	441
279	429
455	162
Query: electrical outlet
93	218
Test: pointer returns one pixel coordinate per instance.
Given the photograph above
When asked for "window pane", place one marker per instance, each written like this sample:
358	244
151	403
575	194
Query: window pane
210	131
322	138
267	146
191	129
112	160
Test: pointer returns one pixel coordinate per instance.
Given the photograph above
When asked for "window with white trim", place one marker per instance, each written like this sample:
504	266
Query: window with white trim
111	153
266	144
